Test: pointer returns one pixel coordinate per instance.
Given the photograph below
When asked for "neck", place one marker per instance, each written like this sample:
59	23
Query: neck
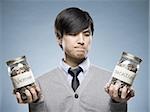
73	62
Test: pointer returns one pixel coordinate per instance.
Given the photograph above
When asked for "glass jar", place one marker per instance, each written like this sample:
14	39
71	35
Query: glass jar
126	70
21	75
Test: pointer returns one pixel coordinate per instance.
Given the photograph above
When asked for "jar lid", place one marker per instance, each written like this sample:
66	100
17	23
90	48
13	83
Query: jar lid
132	57
16	60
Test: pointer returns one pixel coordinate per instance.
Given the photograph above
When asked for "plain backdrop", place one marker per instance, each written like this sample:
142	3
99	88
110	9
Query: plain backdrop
27	28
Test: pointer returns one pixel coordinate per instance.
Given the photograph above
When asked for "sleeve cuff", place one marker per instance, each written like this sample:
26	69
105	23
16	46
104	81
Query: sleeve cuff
117	106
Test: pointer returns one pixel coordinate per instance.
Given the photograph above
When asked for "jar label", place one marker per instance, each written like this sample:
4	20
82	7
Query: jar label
23	79
123	74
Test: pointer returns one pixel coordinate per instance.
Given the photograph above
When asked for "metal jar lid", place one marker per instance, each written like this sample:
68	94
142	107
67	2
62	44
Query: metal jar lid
16	60
131	57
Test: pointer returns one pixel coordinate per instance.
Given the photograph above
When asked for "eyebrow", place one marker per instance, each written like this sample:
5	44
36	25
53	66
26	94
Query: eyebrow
86	30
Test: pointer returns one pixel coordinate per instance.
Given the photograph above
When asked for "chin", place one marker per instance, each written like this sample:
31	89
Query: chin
81	56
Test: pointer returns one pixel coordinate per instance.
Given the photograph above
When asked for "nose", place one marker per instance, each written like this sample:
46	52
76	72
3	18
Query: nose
81	39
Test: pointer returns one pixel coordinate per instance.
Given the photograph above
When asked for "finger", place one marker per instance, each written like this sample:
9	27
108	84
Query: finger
107	87
124	92
29	96
131	94
18	96
38	89
34	94
115	91
111	90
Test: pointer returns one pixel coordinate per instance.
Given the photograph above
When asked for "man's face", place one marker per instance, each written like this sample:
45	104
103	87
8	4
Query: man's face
76	46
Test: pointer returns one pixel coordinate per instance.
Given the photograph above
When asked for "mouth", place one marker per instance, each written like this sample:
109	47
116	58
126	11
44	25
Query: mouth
80	49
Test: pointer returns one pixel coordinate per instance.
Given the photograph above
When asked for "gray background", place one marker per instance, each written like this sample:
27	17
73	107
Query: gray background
26	28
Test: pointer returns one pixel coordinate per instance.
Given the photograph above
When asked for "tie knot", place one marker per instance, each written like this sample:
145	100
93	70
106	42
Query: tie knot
75	72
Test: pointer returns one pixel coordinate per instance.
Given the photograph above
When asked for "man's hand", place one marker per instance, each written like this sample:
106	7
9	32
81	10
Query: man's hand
119	94
32	93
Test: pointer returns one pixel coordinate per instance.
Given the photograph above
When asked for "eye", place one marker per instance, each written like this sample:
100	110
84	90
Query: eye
72	34
87	33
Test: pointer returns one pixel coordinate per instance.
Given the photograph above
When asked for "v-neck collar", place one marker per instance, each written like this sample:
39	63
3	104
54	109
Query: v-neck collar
82	85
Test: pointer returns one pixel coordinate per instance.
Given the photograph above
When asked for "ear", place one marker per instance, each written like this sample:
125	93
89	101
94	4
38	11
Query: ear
59	41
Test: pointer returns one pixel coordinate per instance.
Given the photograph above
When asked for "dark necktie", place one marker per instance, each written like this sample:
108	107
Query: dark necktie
74	73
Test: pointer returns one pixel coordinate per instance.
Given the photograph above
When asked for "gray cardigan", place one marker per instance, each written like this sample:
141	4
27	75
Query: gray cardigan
58	96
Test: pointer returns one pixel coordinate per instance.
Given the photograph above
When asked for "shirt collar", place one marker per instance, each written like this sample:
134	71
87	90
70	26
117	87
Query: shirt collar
84	65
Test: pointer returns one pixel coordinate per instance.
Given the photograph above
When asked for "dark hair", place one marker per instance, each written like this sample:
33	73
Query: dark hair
72	20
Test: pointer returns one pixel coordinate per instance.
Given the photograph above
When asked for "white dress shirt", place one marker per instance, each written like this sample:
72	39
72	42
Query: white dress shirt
84	65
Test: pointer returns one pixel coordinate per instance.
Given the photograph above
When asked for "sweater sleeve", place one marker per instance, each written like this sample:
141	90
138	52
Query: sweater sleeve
39	105
36	107
118	107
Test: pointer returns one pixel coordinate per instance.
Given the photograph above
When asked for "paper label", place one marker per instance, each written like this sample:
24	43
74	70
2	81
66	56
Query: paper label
23	79
123	74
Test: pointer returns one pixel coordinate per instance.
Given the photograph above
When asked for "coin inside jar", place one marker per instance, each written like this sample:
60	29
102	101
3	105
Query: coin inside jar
125	71
21	75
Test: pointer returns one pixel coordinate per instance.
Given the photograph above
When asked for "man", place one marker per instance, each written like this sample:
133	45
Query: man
76	85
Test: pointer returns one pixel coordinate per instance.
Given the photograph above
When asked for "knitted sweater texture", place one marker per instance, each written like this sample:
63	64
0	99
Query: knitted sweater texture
90	96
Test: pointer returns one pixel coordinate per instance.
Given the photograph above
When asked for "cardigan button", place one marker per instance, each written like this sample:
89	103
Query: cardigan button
76	96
